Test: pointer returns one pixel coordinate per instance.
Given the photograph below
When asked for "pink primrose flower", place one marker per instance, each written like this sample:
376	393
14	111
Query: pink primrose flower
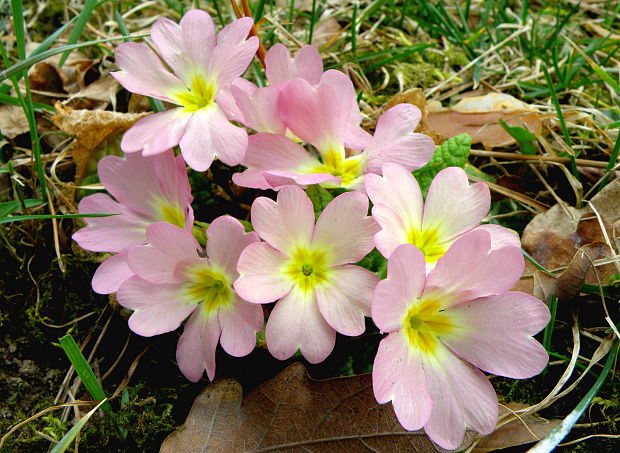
204	66
327	117
306	268
173	280
145	190
452	208
445	326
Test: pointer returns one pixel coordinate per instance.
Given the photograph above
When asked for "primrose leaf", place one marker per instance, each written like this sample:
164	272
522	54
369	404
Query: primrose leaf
523	137
320	198
454	152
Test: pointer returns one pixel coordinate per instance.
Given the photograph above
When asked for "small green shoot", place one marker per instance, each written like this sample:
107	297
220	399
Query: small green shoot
67	439
523	137
21	218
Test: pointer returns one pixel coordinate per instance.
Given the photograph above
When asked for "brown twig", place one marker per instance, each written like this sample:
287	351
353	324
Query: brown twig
560	160
261	53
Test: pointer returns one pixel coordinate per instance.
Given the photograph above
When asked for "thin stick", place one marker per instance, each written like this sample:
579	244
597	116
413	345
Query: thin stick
559	160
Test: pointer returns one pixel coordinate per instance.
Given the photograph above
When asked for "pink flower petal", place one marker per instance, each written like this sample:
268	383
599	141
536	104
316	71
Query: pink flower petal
296	323
319	115
462	396
157	308
132	181
346	213
276	152
196	347
394	141
225	99
345	300
471	269
209	134
500	236
166	36
453	206
498	334
401	377
259	108
174	182
226	239
253	179
280	67
287	223
111	274
233	52
399	191
155	133
279	179
143	73
239	327
168	247
393	232
197	38
404	284
355	137
109	234
261	278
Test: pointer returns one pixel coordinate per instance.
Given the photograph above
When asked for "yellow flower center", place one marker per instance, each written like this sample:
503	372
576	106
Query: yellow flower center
199	95
208	287
307	268
348	169
427	241
424	323
170	213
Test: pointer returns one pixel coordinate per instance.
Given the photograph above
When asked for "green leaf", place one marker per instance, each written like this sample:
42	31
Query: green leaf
454	152
320	198
19	218
83	369
9	207
66	440
473	171
523	137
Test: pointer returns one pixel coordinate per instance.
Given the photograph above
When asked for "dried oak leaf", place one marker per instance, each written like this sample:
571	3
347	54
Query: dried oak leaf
479	117
554	237
519	431
295	413
568	284
13	121
92	129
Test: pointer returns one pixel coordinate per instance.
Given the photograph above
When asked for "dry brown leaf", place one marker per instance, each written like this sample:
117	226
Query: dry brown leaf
553	237
479	117
294	413
569	283
13	121
325	33
415	96
517	432
92	129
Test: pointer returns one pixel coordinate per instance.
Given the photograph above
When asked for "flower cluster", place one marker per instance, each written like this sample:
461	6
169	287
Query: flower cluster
445	304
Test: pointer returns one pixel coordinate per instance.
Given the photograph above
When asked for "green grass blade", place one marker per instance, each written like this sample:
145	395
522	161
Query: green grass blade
259	10
66	440
18	27
82	20
47	42
558	109
20	218
8	207
557	434
26	63
613	158
38	107
312	19
84	370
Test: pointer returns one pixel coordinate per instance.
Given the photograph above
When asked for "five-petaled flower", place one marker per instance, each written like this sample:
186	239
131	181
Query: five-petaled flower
452	208
147	190
173	280
444	326
306	268
204	66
